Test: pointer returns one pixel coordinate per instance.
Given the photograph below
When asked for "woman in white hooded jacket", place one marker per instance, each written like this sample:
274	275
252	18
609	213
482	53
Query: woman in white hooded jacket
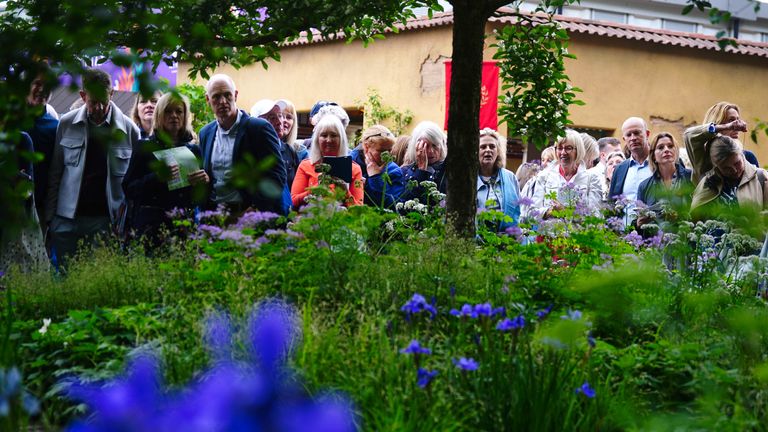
566	182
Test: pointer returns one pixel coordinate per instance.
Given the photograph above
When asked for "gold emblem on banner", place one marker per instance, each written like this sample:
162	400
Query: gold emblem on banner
483	95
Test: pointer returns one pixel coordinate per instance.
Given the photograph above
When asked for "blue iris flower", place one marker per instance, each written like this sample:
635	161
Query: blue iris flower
586	390
415	348
466	364
424	377
511	324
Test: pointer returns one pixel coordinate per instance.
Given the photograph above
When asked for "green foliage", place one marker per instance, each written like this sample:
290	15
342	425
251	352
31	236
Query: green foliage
536	93
201	111
378	113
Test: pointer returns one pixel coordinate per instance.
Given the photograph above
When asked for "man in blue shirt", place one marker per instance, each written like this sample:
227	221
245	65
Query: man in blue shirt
630	173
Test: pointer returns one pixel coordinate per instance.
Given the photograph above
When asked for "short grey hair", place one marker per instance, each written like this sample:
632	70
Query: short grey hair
325	123
431	132
722	147
220	77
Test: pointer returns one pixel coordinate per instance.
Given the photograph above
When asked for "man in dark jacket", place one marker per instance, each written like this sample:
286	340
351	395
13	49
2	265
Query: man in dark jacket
235	146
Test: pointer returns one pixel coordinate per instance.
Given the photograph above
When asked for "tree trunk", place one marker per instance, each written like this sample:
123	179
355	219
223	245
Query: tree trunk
463	124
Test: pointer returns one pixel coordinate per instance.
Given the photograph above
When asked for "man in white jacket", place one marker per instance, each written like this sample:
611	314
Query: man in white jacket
91	155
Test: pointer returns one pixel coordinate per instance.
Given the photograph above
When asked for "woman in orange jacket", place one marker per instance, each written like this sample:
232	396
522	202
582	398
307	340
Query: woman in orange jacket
328	140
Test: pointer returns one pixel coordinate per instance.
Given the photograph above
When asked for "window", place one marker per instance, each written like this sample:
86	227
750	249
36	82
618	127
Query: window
680	26
601	15
764	37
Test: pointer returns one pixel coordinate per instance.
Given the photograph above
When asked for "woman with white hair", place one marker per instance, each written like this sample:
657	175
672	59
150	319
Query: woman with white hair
568	180
425	160
497	187
328	140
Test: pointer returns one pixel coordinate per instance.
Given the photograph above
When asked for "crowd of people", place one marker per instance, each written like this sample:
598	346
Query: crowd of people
106	172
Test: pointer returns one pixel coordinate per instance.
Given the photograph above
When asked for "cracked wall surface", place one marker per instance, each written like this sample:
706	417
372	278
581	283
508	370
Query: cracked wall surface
432	74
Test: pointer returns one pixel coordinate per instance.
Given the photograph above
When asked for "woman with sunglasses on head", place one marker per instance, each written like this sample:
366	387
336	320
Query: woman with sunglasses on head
721	119
379	191
143	112
146	181
668	190
568	179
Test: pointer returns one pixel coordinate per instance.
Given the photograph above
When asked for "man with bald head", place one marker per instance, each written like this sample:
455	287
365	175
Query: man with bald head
630	173
236	143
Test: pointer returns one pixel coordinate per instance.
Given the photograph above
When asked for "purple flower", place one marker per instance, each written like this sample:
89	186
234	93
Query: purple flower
511	324
415	348
615	223
483	309
466	364
635	239
424	377
524	201
210	230
131	402
453	291
263	15
544	312
218	334
499	311
466	311
176	213
274	330
586	390
418	304
252	219
322	244
590	339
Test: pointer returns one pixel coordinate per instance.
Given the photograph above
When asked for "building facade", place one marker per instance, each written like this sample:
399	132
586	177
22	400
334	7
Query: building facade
635	64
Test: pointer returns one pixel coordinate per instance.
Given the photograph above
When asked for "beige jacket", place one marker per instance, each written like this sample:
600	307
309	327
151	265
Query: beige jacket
696	139
750	190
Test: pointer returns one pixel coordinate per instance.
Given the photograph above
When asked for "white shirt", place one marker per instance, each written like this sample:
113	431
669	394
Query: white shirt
221	163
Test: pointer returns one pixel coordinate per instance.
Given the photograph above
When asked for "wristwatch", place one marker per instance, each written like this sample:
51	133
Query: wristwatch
711	129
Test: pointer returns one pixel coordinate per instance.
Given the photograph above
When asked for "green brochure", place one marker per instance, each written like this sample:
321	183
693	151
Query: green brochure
182	157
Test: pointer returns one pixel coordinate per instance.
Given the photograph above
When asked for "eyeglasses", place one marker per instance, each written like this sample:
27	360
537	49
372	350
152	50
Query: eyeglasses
566	149
380	134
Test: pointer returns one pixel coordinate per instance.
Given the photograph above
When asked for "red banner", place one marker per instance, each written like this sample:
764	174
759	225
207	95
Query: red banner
489	95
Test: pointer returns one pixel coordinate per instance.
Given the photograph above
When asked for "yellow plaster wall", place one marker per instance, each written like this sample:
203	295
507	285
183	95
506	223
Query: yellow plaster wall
343	73
671	87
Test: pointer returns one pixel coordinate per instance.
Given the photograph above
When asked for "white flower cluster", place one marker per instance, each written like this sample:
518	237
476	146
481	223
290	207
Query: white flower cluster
412	206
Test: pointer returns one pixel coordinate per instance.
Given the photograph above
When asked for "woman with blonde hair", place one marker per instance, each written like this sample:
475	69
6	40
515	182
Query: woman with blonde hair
328	140
380	190
401	146
497	187
146	187
568	179
721	119
425	160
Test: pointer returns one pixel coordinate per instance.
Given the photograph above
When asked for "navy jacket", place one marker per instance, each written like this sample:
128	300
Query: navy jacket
148	196
43	134
647	191
255	137
376	191
412	172
617	181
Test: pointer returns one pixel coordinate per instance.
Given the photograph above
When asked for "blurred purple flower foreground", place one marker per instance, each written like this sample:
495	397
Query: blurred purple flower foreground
257	393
